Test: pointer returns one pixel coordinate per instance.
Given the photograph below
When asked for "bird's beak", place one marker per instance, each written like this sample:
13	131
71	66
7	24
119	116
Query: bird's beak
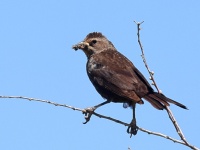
81	45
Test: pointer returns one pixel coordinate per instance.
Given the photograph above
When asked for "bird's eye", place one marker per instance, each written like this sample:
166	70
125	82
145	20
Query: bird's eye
93	42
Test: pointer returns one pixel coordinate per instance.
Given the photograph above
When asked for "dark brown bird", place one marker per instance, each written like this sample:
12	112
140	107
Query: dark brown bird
116	78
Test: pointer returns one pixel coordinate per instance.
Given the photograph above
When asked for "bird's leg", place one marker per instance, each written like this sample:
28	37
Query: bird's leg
132	129
89	111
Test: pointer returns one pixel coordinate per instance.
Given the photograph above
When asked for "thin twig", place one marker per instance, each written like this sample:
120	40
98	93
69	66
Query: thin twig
151	73
98	115
43	101
172	118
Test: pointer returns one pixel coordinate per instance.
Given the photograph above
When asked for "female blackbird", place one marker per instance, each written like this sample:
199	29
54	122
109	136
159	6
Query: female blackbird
116	78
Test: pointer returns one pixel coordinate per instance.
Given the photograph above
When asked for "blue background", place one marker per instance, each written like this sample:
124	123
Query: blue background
37	61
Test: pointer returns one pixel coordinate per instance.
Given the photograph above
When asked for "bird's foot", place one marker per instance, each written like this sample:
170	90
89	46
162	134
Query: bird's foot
88	113
132	129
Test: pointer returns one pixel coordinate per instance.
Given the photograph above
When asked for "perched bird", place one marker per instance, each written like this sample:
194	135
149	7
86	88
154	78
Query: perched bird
116	78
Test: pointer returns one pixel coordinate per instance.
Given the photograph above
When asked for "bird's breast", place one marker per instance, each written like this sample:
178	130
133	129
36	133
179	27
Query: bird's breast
93	65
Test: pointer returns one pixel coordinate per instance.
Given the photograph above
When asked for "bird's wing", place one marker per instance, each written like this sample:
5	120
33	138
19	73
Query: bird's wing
118	74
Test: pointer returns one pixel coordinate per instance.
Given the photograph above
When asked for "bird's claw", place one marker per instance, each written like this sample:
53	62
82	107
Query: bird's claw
88	113
132	129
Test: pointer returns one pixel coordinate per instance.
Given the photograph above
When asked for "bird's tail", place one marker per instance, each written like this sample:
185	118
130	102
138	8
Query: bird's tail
160	101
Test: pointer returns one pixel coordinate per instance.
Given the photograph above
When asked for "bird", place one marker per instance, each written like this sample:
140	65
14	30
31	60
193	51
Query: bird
116	78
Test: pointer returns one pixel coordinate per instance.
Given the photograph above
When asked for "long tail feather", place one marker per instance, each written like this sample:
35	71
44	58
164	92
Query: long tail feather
155	103
160	101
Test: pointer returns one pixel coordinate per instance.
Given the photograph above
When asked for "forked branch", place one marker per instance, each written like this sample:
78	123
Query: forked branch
183	139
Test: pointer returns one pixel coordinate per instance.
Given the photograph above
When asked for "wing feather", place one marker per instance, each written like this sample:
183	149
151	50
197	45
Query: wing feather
116	73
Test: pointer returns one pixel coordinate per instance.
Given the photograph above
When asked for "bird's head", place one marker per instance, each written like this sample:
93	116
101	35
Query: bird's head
94	42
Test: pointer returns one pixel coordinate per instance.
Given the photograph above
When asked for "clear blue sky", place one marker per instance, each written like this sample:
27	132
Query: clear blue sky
37	61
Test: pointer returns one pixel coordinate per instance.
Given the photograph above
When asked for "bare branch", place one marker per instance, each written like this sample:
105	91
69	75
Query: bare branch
98	115
151	73
43	101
